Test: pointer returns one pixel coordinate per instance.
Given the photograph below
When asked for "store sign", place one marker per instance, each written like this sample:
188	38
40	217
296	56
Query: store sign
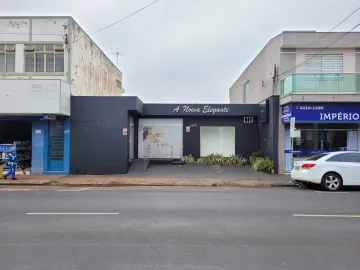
49	117
4	148
207	109
286	113
321	112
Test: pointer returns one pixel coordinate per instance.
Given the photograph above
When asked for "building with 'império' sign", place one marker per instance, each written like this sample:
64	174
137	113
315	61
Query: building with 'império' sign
317	78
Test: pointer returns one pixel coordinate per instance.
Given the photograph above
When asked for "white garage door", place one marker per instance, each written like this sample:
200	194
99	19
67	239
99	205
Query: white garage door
217	140
160	138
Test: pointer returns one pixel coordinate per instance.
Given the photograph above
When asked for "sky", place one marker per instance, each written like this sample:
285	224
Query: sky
188	51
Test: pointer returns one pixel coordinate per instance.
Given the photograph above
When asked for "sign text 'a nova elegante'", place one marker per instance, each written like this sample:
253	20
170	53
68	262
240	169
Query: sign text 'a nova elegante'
206	109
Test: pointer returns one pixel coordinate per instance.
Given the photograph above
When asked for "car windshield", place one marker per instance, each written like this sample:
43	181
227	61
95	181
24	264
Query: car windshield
317	157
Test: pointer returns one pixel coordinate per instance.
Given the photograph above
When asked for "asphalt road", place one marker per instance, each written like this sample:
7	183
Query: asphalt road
178	228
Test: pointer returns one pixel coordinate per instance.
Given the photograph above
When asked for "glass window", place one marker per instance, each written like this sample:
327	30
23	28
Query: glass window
49	58
7	58
2	62
346	157
50	63
40	60
59	62
49	48
335	140
246	92
10	62
29	62
317	157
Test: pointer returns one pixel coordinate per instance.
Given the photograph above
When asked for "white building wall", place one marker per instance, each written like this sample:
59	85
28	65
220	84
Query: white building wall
349	58
87	69
259	74
14	29
28	30
34	97
92	72
50	29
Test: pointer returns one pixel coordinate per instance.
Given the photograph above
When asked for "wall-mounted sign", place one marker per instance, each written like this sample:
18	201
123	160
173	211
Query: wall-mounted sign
207	109
38	131
4	148
188	129
49	117
321	112
125	131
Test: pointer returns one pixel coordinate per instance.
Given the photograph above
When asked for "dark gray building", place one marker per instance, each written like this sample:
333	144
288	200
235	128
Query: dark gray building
109	133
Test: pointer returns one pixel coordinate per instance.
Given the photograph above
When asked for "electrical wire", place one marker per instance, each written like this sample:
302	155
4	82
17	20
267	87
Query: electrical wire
341	47
318	53
336	26
119	21
93	33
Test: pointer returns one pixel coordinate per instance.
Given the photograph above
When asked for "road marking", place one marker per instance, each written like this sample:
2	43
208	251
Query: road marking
335	216
15	189
330	192
75	189
72	213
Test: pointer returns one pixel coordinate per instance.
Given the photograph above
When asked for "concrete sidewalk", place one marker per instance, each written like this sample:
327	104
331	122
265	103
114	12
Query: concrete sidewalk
125	180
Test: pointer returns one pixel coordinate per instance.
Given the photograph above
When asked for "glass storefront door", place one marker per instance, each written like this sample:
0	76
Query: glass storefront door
314	141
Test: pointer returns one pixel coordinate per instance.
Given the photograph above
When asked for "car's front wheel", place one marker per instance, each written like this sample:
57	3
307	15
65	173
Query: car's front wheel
331	182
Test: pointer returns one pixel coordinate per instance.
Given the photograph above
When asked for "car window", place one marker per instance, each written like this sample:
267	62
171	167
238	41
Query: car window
346	157
317	157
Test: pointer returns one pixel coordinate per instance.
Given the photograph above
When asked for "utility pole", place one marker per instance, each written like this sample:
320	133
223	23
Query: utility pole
117	58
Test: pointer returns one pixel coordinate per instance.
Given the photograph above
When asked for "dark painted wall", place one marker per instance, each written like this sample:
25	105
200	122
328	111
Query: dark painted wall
12	130
269	132
245	134
98	145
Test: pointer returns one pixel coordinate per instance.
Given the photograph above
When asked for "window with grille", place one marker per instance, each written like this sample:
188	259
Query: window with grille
44	58
7	58
246	90
330	64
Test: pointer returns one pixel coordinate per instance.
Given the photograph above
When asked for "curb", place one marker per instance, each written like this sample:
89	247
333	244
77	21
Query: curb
244	185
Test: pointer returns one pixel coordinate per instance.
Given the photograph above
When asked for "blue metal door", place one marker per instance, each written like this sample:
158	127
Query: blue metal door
56	145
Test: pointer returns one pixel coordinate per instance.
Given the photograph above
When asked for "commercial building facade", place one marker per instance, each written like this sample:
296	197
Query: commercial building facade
44	61
110	134
317	78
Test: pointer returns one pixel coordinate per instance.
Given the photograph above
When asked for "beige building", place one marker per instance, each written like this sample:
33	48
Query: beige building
307	69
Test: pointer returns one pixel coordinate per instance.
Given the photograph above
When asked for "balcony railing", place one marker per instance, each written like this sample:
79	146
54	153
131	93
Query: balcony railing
321	83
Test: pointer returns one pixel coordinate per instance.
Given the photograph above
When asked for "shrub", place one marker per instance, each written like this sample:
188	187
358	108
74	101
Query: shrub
216	159
188	159
263	164
255	155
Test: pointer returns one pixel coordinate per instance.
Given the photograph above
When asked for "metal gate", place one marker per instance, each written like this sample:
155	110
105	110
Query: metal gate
56	145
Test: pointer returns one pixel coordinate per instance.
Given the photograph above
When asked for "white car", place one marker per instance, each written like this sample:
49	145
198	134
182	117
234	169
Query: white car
330	170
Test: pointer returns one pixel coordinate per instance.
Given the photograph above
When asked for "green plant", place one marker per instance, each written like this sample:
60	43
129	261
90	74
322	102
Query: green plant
255	155
216	159
188	159
263	164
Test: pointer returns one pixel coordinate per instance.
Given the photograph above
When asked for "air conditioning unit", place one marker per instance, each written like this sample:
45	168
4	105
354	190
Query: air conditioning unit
249	120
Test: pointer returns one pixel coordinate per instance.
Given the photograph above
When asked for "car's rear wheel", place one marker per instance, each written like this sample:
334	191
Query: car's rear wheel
331	182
